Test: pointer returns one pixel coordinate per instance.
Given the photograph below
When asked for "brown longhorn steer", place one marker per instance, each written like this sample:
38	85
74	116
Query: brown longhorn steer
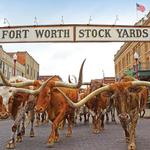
143	94
13	89
52	101
96	106
17	102
83	111
126	99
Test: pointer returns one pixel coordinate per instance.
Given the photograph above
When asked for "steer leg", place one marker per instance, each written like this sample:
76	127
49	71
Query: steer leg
107	118
125	128
88	116
32	122
20	114
56	135
69	129
96	123
23	127
55	125
37	123
19	135
132	145
62	124
113	115
11	143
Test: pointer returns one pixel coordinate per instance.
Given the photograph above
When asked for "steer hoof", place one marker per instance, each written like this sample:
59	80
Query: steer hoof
69	134
127	139
57	139
37	124
19	139
23	131
10	146
50	143
96	131
45	122
131	146
32	134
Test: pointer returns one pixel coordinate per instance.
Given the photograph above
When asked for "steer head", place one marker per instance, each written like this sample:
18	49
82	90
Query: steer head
44	96
125	99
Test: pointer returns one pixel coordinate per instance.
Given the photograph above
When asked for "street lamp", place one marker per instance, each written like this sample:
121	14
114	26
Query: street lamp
136	57
103	76
15	60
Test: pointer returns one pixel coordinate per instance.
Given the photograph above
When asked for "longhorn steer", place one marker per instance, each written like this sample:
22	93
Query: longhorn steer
14	99
96	106
15	102
126	99
143	94
52	101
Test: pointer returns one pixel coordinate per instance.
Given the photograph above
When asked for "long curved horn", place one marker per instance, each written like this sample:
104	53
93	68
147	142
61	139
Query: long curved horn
80	79
72	85
140	83
75	79
102	89
69	80
84	100
83	83
28	91
19	84
5	81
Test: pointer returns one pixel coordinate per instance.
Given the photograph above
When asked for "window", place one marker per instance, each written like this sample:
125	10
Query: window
3	67
128	59
146	47
27	69
0	64
31	71
123	63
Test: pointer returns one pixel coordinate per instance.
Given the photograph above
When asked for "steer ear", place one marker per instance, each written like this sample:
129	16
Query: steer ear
107	93
135	89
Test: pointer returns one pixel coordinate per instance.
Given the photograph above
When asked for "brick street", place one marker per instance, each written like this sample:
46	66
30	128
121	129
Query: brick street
112	138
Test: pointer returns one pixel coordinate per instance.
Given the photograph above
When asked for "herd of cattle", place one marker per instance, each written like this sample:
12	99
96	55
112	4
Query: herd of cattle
62	103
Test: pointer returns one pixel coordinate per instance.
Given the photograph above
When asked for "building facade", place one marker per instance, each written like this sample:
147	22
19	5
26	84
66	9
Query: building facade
125	61
26	66
31	66
7	65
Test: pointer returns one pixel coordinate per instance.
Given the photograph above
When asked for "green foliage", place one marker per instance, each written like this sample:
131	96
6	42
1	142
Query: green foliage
129	72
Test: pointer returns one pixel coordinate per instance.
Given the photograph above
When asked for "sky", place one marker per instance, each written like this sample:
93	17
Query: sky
65	58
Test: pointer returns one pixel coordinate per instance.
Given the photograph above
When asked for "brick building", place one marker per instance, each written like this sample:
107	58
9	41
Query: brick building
26	66
125	61
31	66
